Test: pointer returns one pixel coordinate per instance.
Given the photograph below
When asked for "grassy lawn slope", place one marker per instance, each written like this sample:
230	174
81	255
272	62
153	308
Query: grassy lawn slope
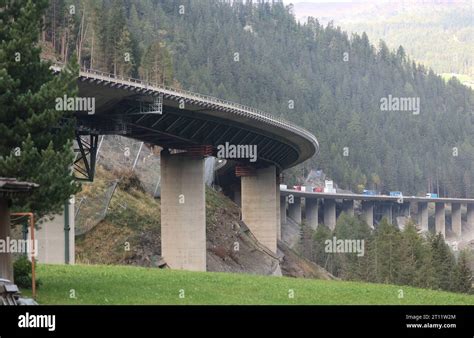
100	284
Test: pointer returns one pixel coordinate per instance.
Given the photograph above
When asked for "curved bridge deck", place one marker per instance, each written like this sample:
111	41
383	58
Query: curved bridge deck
124	106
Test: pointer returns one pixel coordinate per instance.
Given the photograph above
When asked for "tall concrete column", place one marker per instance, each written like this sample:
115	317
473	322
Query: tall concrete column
470	216
456	219
368	212
440	218
330	213
6	267
348	207
183	212
237	197
412	207
278	204
294	209
423	215
311	205
283	209
259	206
387	212
405	209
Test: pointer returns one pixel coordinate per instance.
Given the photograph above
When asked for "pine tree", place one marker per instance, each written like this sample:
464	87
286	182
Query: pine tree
156	65
443	263
114	37
125	61
320	256
463	274
352	265
389	265
415	262
36	138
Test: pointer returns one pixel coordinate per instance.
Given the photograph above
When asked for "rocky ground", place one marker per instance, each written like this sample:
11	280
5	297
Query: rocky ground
130	235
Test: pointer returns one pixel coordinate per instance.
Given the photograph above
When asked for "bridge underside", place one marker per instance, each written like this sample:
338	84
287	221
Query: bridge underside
183	123
177	131
178	122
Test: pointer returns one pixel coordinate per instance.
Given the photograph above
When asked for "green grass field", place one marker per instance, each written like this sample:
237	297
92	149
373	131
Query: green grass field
96	284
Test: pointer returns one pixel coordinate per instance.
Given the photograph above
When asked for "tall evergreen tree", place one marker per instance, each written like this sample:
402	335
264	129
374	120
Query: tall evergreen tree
463	275
443	263
36	138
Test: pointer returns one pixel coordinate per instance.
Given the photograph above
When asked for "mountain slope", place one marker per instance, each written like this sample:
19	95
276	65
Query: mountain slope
439	34
130	234
317	76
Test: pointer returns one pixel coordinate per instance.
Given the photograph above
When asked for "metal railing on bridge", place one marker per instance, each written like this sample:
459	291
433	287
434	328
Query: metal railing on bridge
256	113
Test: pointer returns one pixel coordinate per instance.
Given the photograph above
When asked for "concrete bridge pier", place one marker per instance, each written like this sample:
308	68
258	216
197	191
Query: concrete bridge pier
260	205
368	212
423	215
440	219
470	216
283	210
278	204
236	198
294	209
183	211
330	213
456	219
311	205
387	212
405	209
348	207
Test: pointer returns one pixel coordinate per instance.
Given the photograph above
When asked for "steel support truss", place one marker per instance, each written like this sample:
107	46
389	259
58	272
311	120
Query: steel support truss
86	156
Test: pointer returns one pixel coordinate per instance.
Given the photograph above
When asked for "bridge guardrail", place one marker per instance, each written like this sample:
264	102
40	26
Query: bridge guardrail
193	96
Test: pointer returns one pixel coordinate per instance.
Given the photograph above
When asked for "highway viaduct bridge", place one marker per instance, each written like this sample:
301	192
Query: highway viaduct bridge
192	126
388	205
196	125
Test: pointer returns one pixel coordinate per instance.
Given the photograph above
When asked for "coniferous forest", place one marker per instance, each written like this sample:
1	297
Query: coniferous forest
316	76
390	255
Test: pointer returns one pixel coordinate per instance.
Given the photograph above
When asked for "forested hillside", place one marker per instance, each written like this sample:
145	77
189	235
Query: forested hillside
317	76
439	34
402	257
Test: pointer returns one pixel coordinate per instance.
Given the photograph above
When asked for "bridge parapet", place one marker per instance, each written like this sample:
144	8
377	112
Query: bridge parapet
171	92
